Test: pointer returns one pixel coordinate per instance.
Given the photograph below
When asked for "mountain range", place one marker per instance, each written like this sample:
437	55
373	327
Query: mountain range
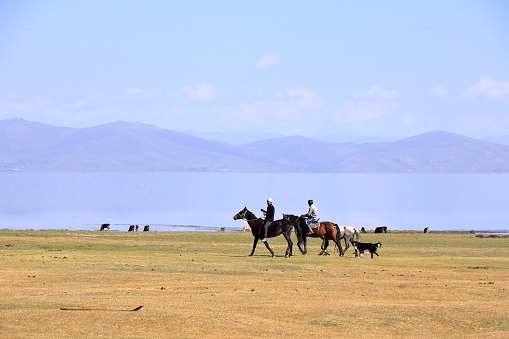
129	146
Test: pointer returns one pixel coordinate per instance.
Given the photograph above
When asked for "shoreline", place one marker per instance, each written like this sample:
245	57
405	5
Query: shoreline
194	228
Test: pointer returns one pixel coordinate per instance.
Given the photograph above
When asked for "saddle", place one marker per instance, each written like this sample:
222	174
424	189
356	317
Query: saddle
315	224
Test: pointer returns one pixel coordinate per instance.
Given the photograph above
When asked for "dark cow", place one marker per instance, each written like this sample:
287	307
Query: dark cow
105	227
146	228
381	229
363	230
131	228
426	230
360	247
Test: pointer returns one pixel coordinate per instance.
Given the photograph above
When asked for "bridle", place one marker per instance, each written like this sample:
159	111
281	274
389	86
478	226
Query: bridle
244	215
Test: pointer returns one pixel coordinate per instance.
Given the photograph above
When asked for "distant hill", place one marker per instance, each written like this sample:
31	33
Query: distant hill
128	146
500	139
350	138
433	152
235	138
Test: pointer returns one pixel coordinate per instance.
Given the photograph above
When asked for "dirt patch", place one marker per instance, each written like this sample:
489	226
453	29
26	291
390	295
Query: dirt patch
492	236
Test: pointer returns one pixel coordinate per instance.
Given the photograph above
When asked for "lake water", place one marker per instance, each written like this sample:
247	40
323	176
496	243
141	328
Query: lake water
208	201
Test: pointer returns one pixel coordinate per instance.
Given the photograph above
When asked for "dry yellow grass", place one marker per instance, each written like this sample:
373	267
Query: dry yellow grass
203	285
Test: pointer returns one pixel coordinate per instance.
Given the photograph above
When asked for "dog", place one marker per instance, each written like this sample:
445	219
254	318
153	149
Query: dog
360	247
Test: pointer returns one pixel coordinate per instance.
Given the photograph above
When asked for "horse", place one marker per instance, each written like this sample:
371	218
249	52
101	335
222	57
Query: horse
326	230
275	229
348	233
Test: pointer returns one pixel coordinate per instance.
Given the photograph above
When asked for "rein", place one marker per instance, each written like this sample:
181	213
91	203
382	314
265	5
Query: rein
248	215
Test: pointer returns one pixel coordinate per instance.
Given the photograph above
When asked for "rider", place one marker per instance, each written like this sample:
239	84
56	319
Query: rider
269	218
311	216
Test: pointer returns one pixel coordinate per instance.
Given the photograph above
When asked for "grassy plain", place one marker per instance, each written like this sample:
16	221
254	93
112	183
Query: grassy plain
203	285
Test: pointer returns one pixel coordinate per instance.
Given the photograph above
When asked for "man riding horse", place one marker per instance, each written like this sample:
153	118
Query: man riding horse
269	218
311	216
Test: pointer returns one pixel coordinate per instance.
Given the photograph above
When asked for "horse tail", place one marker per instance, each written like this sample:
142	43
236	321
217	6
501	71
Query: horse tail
298	230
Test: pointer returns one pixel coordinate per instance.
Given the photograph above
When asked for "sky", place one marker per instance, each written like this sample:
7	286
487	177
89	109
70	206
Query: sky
361	68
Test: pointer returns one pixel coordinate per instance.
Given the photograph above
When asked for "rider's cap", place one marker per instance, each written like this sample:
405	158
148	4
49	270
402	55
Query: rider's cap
310	202
269	199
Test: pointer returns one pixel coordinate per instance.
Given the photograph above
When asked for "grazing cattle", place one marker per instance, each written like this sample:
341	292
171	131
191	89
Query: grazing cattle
363	230
381	229
105	227
246	228
360	247
146	228
426	230
131	228
136	228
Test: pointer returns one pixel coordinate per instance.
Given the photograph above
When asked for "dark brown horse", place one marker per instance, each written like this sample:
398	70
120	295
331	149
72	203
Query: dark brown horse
278	227
325	230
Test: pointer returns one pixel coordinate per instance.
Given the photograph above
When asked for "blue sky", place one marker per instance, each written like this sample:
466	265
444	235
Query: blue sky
389	68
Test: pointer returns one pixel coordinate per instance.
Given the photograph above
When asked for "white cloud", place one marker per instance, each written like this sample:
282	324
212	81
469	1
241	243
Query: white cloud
267	61
134	90
369	106
142	93
197	93
489	88
84	102
379	93
361	112
305	97
439	92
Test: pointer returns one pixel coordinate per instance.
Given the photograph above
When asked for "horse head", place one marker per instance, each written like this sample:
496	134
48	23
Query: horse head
244	214
241	214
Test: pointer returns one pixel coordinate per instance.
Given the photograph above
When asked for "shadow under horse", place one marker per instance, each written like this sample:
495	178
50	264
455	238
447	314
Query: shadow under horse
326	230
275	229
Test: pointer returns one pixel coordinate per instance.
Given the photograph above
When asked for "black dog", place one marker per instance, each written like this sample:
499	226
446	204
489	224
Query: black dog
360	247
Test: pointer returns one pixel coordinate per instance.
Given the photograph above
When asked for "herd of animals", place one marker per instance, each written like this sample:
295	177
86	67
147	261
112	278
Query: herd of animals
325	230
132	228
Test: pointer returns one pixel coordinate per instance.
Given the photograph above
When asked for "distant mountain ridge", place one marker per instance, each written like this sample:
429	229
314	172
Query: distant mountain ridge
128	146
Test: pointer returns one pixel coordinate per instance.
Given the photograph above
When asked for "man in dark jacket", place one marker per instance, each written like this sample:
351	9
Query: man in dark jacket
269	218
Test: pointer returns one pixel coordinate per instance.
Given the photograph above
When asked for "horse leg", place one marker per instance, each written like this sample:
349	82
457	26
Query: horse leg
301	240
254	246
325	244
288	253
346	243
338	242
270	249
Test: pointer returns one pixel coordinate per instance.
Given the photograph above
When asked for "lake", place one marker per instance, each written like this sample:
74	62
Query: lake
208	201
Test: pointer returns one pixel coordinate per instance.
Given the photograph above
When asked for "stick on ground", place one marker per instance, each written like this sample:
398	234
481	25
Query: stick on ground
99	309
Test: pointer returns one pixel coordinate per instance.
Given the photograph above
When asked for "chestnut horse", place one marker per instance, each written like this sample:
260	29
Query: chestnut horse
326	230
277	227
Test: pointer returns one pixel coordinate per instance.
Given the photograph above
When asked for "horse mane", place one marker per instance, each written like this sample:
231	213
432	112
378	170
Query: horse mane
250	215
292	217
